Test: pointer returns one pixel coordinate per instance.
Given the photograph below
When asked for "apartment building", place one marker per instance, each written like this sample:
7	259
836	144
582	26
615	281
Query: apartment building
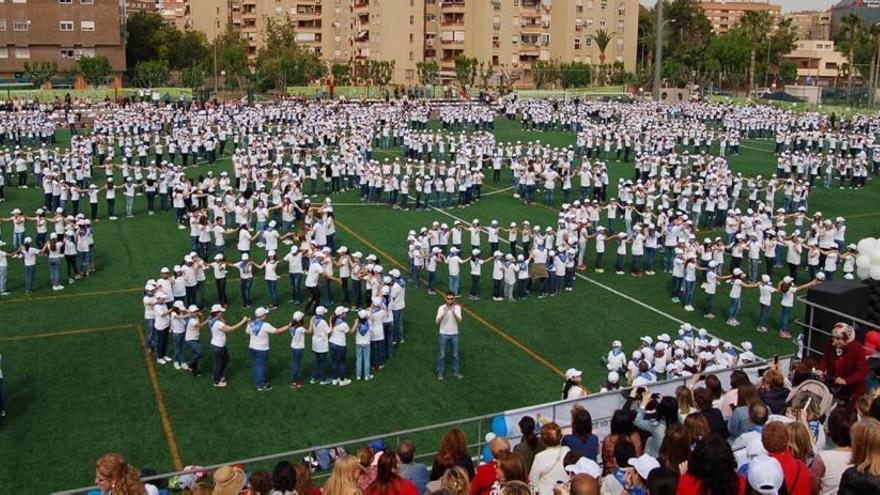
811	24
818	62
725	16
60	31
517	33
512	33
133	6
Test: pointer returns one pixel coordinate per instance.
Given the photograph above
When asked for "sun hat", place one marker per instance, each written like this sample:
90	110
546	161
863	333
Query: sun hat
228	480
644	464
572	373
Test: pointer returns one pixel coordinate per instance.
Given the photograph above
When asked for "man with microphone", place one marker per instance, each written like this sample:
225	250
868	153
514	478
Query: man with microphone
448	318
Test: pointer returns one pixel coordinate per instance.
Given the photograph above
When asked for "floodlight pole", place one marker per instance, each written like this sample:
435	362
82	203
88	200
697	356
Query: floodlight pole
658	51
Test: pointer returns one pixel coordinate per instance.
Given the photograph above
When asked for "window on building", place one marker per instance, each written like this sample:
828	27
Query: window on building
86	2
603	23
412	20
577	43
65	2
588	42
19	1
409	74
65	25
22	52
412	38
4	52
2	24
67	53
496	40
603	4
21	25
496	22
495	60
87	25
412	55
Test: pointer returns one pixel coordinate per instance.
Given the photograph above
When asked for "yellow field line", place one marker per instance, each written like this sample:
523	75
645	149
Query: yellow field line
62	333
160	401
519	345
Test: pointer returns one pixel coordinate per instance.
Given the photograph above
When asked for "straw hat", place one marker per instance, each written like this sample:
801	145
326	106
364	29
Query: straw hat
228	480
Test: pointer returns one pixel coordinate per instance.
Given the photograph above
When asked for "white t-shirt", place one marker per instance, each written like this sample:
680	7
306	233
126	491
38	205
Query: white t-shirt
449	319
218	335
260	338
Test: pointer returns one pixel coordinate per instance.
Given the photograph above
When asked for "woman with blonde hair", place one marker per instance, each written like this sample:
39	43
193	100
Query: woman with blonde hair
455	481
114	475
344	479
800	440
864	475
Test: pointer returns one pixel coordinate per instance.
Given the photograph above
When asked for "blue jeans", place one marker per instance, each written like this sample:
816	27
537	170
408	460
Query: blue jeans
273	291
362	361
454	284
195	349
150	333
29	273
377	352
178	347
733	309
452	342
55	271
297	355
295	285
649	258
397	327
319	373
338	354
689	292
260	358
763	314
707	303
246	291
785	317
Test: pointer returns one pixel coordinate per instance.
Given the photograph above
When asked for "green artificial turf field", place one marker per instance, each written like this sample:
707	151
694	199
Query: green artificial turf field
78	384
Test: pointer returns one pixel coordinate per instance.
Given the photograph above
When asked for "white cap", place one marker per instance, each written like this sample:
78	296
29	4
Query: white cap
644	464
298	315
616	343
362	313
260	312
765	475
572	373
192	308
613	377
584	465
320	310
340	310
394	273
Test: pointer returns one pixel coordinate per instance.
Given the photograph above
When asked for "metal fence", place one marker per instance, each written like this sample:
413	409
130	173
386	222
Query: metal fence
601	406
810	328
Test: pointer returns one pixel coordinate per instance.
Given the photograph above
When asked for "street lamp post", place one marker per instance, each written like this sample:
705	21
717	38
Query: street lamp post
216	25
658	51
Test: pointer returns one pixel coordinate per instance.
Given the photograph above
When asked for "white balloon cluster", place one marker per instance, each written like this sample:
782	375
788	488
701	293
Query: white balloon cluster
868	261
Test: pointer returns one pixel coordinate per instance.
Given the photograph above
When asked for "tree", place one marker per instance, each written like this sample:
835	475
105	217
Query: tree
687	34
851	29
151	74
231	58
465	70
380	72
755	25
341	74
428	71
282	61
508	75
788	72
193	76
180	48
140	29
485	71
545	72
94	70
602	38
41	72
730	54
575	74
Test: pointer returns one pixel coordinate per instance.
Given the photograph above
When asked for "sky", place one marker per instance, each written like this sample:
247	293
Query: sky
787	5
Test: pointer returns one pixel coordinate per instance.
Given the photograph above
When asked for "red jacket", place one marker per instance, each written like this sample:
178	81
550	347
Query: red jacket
399	486
852	366
689	485
796	473
483	479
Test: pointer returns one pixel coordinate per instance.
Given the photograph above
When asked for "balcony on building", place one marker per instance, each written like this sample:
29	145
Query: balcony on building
449	19
309	24
308	10
452	5
361	4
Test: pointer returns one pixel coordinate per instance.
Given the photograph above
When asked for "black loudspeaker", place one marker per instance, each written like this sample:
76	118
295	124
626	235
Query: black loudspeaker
873	301
845	296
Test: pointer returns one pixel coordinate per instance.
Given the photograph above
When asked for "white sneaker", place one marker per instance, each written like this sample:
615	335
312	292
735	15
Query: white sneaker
688	308
335	381
176	365
345	382
184	367
60	287
160	361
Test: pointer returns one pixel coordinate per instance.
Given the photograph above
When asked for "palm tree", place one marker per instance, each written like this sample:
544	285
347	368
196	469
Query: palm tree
851	28
602	38
756	25
873	37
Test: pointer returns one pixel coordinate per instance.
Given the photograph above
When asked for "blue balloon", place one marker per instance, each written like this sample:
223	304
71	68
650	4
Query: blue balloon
487	454
499	426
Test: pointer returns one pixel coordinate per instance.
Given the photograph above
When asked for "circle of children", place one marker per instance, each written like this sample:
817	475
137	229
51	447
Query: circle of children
282	151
